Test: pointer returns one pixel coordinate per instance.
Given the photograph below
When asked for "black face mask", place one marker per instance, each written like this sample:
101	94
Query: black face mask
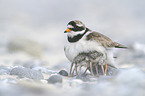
78	37
76	28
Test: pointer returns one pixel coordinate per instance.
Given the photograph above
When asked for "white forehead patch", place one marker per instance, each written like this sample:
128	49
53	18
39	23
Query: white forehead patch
70	26
79	25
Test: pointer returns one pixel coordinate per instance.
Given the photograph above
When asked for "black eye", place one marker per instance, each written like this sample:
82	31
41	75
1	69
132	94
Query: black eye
76	28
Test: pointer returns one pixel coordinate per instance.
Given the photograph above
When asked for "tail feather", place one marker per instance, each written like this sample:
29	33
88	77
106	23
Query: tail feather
117	45
113	66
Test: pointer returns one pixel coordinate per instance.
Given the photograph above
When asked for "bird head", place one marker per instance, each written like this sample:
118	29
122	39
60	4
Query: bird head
74	28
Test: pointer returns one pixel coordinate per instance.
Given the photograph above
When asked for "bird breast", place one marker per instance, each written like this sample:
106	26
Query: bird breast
83	45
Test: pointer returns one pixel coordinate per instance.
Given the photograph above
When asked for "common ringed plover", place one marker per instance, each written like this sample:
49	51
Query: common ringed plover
86	45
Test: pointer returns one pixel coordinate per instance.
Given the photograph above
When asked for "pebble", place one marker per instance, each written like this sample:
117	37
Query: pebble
25	72
55	79
44	70
9	80
110	70
26	45
28	65
83	77
63	73
4	70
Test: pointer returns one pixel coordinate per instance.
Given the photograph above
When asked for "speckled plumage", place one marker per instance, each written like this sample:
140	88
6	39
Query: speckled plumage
92	56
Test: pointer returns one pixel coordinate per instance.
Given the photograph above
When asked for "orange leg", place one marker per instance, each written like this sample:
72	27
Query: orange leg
106	66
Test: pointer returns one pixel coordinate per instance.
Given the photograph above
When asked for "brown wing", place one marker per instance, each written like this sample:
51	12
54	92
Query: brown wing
104	40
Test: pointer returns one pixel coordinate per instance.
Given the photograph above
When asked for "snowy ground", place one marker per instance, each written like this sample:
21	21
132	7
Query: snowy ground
32	40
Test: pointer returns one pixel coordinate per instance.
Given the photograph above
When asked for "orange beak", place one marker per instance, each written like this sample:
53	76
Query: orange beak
67	30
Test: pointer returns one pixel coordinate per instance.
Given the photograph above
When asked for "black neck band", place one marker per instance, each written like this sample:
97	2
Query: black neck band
78	37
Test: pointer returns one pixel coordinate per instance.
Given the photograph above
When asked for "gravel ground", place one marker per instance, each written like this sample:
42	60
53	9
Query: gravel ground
37	77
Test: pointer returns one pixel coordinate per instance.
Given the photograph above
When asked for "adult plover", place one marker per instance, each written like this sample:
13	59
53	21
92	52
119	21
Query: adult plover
82	40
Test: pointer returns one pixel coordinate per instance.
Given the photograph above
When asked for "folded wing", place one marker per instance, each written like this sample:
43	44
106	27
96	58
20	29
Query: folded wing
104	40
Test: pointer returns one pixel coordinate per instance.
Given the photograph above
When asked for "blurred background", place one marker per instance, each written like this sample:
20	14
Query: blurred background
33	29
32	47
